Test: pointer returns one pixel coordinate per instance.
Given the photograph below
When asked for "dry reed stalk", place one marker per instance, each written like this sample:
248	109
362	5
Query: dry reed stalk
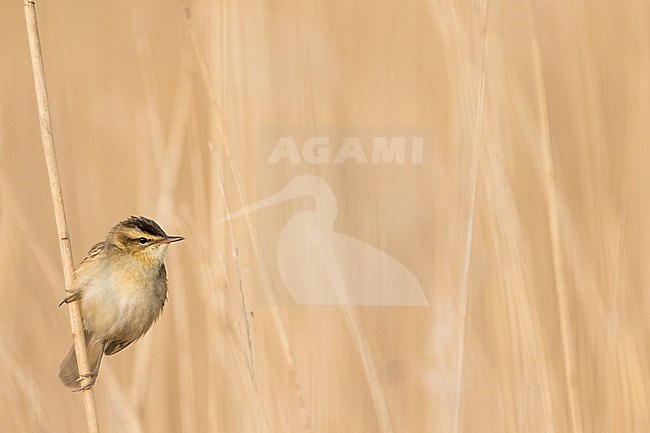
120	409
464	288
377	393
169	172
270	296
147	68
513	272
19	219
550	188
456	24
248	349
59	210
236	172
214	105
182	326
614	319
225	308
247	346
24	382
359	339
206	270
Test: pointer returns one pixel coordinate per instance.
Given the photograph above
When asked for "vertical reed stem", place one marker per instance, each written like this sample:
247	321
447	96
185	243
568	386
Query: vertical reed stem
57	201
550	187
463	301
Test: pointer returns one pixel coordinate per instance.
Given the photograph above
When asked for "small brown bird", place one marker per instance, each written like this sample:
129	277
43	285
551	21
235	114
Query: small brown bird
121	287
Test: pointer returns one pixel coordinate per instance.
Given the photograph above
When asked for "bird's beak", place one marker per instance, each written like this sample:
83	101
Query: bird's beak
170	239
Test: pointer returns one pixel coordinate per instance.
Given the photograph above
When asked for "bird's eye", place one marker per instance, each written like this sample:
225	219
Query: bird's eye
142	241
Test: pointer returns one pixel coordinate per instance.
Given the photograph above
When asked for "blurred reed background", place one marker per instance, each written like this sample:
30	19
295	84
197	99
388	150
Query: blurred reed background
527	230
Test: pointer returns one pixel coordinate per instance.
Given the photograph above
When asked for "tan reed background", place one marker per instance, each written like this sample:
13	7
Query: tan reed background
536	218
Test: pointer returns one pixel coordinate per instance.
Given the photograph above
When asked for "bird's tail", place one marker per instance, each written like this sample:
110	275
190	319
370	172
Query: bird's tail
69	372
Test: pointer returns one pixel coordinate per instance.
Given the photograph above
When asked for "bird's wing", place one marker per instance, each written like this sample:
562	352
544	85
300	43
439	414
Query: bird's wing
75	296
93	252
163	296
115	346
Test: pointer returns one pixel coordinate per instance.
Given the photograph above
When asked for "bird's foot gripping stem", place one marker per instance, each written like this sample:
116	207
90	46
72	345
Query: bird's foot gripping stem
92	375
71	298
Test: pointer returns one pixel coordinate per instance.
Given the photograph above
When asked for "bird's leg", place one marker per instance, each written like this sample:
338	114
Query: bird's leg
71	298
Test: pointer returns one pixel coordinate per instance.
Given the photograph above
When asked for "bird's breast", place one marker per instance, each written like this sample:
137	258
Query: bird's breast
122	302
